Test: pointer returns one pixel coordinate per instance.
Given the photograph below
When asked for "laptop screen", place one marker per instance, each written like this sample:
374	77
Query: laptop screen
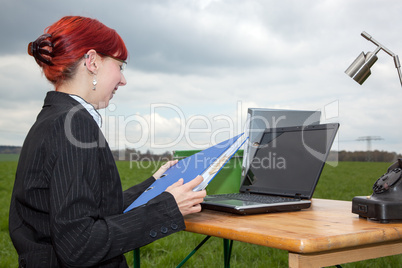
288	161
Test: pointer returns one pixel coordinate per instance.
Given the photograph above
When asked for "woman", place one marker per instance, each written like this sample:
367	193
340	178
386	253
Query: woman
67	202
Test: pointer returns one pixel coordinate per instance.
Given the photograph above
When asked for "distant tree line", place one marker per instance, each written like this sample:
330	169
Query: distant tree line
136	155
10	149
358	156
368	156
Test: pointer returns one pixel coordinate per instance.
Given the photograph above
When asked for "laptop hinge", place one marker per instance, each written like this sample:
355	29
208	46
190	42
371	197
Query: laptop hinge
298	196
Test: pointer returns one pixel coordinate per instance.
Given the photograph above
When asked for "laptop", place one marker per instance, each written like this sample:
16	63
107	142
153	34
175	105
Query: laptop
259	119
283	172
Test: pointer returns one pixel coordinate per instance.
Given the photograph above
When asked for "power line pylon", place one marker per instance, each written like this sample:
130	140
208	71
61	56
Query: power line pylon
369	139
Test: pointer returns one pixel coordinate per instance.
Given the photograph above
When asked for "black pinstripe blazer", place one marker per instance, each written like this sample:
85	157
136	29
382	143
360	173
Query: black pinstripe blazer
67	201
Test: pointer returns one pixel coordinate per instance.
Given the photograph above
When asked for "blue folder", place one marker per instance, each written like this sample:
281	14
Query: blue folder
206	163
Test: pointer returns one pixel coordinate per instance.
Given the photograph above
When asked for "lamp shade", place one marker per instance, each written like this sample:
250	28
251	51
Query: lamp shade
359	70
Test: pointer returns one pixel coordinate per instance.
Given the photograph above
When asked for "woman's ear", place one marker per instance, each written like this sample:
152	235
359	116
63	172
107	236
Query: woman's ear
91	63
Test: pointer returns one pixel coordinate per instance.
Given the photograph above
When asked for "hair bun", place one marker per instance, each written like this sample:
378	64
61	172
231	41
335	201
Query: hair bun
37	50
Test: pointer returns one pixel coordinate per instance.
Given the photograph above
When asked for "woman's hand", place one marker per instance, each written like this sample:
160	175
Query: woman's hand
187	200
163	168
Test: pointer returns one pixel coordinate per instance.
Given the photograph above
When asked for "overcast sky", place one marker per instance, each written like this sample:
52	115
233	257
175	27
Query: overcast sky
196	66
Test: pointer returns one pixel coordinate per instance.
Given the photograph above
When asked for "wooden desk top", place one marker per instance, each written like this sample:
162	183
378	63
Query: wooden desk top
327	225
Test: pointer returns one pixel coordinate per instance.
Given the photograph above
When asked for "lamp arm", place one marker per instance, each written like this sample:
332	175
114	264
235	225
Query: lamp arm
398	67
370	38
389	52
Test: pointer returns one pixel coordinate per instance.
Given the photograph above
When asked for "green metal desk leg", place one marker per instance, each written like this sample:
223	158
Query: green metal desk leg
137	258
194	251
227	251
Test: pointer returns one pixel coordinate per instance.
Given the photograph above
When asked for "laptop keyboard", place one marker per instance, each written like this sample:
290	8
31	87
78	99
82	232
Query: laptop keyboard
255	198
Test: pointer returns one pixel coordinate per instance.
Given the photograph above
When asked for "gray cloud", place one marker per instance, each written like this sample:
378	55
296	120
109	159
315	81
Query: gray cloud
205	56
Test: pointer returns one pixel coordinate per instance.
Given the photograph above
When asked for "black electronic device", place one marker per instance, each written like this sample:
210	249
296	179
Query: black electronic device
385	204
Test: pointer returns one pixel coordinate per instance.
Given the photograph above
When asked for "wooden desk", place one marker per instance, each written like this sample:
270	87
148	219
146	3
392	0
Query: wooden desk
326	234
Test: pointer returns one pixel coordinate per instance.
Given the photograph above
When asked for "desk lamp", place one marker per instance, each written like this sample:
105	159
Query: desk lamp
359	70
385	204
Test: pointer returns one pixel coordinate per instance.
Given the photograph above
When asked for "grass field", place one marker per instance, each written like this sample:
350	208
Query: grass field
8	157
342	182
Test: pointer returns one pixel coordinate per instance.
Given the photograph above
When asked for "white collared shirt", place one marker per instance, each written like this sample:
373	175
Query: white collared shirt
90	108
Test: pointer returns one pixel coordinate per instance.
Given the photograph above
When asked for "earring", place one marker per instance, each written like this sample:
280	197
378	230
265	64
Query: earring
94	82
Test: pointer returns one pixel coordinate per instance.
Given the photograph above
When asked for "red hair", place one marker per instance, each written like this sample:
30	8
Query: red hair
71	37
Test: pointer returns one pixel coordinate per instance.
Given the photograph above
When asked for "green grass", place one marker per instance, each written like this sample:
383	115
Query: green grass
342	182
8	255
9	157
